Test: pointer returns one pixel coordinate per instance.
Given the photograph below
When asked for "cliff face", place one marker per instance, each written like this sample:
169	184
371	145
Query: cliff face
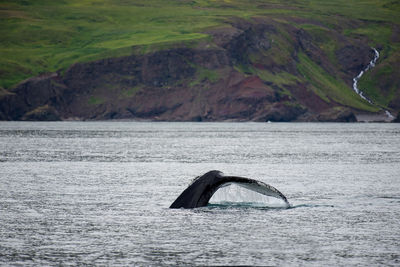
259	71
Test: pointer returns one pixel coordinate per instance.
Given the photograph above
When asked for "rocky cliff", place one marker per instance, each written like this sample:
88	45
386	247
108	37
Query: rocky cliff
248	70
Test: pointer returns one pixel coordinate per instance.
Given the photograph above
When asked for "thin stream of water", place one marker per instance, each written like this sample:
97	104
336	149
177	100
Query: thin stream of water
356	79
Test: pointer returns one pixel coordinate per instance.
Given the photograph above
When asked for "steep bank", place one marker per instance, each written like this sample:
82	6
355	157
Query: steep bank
261	69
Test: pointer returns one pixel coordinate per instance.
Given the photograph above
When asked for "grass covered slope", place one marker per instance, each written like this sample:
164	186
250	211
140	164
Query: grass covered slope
45	36
41	36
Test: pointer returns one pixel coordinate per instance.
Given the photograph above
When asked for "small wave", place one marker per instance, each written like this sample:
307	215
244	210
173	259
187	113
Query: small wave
240	205
389	197
262	206
310	206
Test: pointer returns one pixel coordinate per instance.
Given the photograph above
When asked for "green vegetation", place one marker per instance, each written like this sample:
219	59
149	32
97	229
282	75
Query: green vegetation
280	79
326	86
323	39
370	85
95	101
203	74
131	92
39	36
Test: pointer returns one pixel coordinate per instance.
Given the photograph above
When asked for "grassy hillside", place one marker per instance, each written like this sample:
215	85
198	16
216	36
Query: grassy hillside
40	36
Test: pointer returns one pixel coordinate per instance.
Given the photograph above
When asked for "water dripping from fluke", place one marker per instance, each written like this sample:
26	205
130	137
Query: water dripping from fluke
202	189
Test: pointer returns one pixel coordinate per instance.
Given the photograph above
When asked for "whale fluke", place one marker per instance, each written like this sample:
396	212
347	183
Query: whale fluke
200	191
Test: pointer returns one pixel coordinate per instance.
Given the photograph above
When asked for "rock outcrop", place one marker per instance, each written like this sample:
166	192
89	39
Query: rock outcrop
397	119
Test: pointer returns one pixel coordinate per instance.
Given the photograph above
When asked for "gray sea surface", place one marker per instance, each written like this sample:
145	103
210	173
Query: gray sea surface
97	193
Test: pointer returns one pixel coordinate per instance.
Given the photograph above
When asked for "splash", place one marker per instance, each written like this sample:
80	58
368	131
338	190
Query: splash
371	64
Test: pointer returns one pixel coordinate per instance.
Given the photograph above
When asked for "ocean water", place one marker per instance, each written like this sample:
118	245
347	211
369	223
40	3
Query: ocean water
97	193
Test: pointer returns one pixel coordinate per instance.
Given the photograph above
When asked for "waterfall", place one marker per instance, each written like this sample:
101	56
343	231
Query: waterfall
358	77
390	116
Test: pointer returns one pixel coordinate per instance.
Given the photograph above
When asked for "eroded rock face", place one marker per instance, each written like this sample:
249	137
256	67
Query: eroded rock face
397	118
31	94
354	58
252	38
43	113
337	115
200	83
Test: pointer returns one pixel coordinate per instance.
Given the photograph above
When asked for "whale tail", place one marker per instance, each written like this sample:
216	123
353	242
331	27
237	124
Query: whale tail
200	191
